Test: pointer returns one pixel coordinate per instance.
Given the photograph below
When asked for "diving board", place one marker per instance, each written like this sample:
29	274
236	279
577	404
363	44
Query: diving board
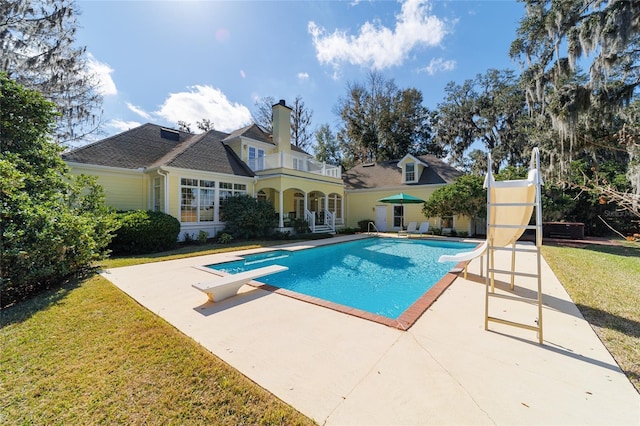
228	285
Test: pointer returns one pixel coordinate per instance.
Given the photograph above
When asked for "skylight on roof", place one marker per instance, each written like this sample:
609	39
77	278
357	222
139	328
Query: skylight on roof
170	134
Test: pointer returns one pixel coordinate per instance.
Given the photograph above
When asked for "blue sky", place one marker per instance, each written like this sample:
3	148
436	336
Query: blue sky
164	61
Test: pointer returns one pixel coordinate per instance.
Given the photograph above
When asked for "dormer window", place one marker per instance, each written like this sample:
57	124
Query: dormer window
410	172
256	158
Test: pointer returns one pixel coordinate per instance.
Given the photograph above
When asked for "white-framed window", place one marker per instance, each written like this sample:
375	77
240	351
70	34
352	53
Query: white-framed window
197	200
261	196
299	163
410	172
398	216
157	182
298	204
228	189
256	158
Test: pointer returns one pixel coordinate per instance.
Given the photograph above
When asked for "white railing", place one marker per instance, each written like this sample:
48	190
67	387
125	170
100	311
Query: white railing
330	220
310	217
288	161
372	225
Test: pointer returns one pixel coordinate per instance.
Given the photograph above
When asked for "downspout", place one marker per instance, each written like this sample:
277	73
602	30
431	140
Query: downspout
165	174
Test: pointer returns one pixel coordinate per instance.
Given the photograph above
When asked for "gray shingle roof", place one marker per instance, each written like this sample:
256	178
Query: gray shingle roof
207	153
253	131
135	148
388	174
145	147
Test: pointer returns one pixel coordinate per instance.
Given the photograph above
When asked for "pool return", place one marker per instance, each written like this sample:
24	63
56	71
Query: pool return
510	204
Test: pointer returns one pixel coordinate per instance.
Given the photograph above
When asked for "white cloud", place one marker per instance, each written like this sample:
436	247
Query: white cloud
204	102
102	74
303	76
122	126
142	113
439	64
243	74
378	46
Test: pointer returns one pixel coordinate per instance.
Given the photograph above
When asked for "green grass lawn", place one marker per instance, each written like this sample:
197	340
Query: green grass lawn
89	354
604	282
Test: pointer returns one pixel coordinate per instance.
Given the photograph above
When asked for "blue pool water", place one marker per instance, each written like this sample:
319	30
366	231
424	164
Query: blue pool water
383	276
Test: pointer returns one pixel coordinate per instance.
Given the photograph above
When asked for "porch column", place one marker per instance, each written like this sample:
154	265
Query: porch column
216	205
306	204
326	207
281	205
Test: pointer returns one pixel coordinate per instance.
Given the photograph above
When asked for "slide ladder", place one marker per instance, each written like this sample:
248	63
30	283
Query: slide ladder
510	205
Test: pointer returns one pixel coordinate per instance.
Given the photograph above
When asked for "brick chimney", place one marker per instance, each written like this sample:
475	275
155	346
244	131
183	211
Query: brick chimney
282	126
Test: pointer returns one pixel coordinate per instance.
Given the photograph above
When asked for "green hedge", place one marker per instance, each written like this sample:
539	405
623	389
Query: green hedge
140	232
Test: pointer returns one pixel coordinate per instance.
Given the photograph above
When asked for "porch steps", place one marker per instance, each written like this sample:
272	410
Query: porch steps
323	229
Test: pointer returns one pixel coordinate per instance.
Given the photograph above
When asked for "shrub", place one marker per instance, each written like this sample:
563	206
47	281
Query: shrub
142	232
203	236
347	231
247	217
52	225
224	238
364	224
301	226
279	235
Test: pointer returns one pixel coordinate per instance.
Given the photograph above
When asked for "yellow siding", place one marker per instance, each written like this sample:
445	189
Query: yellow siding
361	205
123	189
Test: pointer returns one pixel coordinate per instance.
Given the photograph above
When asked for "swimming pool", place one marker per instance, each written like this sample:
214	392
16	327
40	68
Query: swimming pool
382	276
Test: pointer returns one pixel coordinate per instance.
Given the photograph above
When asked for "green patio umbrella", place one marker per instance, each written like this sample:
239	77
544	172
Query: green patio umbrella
401	199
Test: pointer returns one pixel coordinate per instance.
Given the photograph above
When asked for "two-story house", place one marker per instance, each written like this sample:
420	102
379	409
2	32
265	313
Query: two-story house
187	175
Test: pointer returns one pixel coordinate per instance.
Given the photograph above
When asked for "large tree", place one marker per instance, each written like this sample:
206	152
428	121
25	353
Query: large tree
489	109
301	132
555	38
327	148
301	115
381	121
465	196
38	50
52	225
263	113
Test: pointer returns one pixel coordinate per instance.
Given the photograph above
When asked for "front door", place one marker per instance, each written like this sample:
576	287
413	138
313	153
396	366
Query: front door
381	218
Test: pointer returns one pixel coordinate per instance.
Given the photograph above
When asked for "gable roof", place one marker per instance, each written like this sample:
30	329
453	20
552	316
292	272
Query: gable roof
253	131
387	174
410	157
151	146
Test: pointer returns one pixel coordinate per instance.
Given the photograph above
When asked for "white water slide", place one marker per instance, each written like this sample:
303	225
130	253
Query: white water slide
510	204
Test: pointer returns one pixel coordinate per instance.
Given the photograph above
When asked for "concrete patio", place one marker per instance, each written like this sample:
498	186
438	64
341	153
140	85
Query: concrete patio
446	369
